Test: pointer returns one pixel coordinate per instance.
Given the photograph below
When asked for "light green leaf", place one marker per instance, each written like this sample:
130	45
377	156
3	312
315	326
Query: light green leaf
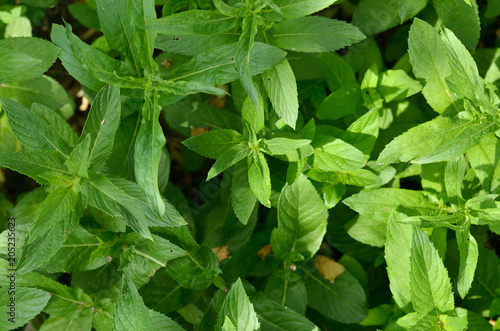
397	85
56	323
281	87
162	322
101	125
147	153
33	131
131	313
140	262
468	261
58	205
102	194
192	45
453	177
430	284
363	133
483	158
298	8
213	144
315	34
34	164
243	56
23	58
259	178
461	18
254	115
241	194
410	8
428	59
229	158
338	156
302	220
397	256
343	301
281	146
28	303
57	123
78	161
201	22
43	90
437	140
238	308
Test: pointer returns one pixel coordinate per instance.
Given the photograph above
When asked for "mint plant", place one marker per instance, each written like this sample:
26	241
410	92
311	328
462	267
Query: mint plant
250	165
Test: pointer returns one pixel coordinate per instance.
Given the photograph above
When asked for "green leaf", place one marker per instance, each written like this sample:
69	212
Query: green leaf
483	158
363	133
241	194
437	140
78	161
315	34
344	101
397	85
275	317
213	144
397	256
102	194
259	178
37	250
337	71
72	62
34	164
24	58
243	56
428	59
375	207
453	177
238	308
43	90
468	261
28	303
193	45
298	8
281	87
358	177
58	205
218	66
57	123
33	131
162	322
302	220
147	153
254	115
461	18
466	80
410	8
338	156
78	252
430	284
191	22
287	289
374	16
281	146
131	313
101	125
343	301
141	260
229	158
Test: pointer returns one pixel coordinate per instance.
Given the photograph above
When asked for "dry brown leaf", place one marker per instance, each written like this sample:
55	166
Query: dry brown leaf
328	267
197	131
222	252
264	251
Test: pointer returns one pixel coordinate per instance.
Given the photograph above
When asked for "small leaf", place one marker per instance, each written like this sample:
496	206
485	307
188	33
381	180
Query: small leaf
229	158
238	308
259	178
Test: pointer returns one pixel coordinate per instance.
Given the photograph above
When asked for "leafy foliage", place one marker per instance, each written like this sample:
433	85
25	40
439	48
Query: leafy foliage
349	187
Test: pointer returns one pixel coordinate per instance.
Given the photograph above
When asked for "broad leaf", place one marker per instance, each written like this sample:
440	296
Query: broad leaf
201	22
214	143
28	303
302	220
238	308
430	284
338	156
131	313
315	34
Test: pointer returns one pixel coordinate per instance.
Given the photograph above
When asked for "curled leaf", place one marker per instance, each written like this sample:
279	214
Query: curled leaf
264	251
328	267
222	252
